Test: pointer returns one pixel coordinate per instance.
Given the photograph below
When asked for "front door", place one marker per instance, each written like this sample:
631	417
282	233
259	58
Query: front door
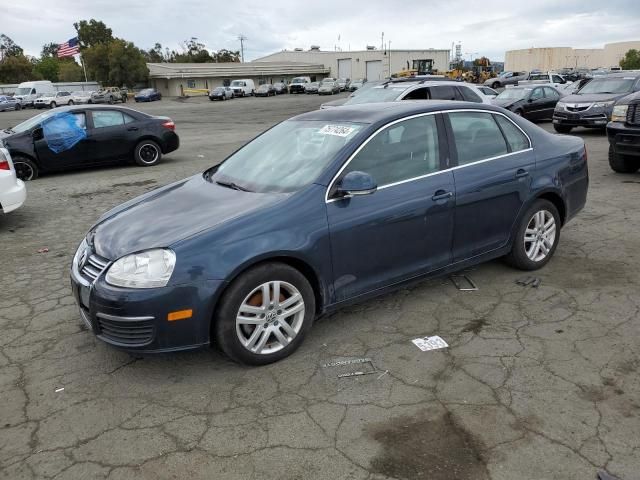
50	149
107	136
405	228
492	179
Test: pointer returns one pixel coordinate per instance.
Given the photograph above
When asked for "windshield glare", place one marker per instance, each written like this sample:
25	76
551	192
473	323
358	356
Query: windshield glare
377	94
513	93
32	122
608	85
288	157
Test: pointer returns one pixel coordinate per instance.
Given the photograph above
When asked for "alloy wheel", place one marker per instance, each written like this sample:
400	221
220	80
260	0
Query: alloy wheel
540	235
148	153
23	170
270	317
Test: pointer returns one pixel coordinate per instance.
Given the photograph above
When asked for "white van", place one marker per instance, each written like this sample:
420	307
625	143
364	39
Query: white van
243	87
27	92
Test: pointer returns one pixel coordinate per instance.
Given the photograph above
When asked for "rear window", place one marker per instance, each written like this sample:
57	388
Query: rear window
516	139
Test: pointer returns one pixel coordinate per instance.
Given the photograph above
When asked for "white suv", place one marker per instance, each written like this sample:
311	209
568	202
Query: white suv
12	191
53	100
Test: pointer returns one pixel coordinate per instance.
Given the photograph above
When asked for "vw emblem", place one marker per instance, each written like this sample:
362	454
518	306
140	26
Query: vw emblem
271	316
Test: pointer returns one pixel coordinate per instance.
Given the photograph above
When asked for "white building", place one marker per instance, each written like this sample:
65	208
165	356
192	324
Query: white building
369	64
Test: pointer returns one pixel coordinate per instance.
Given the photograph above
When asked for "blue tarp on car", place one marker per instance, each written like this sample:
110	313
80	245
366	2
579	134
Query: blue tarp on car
62	131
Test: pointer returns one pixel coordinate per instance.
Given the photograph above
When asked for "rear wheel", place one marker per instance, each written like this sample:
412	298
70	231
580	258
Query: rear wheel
562	128
495	85
147	153
110	100
70	102
622	163
18	106
26	169
53	105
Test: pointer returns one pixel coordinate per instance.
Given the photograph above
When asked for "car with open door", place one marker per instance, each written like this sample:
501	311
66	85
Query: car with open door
86	136
328	208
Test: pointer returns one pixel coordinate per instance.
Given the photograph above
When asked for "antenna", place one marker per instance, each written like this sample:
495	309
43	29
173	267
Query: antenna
242	38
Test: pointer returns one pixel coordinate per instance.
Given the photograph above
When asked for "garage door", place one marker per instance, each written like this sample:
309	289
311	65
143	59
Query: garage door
374	70
344	68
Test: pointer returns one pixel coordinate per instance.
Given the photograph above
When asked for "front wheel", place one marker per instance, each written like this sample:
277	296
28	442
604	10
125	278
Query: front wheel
495	85
562	128
18	106
70	102
53	105
110	100
537	236
26	169
622	163
147	153
264	314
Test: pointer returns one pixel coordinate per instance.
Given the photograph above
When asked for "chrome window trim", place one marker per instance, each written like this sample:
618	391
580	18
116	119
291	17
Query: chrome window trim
457	167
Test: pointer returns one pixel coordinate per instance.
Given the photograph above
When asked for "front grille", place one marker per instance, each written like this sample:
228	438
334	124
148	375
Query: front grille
93	267
130	331
633	114
576	109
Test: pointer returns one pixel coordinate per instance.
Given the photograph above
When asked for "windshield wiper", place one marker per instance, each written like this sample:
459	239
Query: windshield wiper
232	185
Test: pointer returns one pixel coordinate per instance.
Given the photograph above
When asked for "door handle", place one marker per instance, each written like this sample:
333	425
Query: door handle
521	173
441	195
132	129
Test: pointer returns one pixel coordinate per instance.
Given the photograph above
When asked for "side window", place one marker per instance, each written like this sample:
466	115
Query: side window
537	94
444	92
477	136
417	94
107	118
551	93
81	120
401	151
556	79
469	95
516	139
128	118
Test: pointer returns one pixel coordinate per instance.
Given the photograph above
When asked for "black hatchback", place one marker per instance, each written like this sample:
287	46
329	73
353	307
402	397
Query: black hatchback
87	136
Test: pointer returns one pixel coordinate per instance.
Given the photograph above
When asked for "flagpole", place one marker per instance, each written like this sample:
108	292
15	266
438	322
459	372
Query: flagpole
83	68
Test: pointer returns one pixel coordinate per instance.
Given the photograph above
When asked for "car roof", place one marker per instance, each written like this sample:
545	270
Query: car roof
387	111
72	108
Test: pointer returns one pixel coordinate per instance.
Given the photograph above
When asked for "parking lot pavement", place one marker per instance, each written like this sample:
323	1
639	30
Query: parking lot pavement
537	383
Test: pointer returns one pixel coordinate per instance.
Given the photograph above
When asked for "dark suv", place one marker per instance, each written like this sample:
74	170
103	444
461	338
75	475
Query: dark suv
624	135
592	105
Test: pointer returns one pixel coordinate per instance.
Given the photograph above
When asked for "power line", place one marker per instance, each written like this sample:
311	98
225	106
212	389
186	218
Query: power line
242	38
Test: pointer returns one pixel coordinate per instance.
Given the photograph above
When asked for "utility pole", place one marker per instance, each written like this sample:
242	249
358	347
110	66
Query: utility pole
382	42
242	38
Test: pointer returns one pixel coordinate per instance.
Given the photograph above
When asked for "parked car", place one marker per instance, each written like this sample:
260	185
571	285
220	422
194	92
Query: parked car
488	92
281	88
13	193
334	103
147	95
298	84
623	132
265	90
81	97
570	88
243	87
221	93
551	78
111	135
54	100
533	102
108	95
365	201
27	92
506	78
391	91
356	84
9	103
343	83
592	105
328	87
311	87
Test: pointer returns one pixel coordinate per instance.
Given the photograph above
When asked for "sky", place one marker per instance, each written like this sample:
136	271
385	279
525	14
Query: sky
484	27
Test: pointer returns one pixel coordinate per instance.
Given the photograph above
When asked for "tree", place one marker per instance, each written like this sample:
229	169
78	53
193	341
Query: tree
155	54
227	56
70	71
8	48
92	33
48	68
15	69
194	52
127	64
631	60
49	50
96	61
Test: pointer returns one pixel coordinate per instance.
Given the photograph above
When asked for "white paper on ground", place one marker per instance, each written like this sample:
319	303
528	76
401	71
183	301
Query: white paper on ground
430	343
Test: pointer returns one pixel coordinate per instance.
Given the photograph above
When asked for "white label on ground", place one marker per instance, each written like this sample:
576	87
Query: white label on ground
430	343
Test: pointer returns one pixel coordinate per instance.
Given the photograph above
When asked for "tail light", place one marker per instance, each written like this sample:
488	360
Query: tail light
4	165
169	125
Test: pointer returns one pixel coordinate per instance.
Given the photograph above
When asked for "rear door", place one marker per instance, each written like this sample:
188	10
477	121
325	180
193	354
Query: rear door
551	98
494	162
107	135
536	105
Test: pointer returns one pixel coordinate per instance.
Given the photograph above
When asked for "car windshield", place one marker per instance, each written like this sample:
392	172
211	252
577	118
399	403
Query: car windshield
298	80
513	93
608	85
264	86
237	83
377	94
218	89
146	91
286	158
328	80
23	91
32	122
313	84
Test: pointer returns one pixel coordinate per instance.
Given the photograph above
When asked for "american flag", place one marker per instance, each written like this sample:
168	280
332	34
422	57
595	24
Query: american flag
69	48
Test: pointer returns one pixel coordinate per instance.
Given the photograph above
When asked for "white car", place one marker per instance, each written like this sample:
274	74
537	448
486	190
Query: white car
80	97
12	191
53	100
487	92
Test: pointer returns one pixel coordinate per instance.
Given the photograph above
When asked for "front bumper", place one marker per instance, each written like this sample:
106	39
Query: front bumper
585	118
625	139
14	197
135	320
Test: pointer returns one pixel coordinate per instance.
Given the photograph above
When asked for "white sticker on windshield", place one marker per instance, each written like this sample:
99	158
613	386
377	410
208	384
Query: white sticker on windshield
338	130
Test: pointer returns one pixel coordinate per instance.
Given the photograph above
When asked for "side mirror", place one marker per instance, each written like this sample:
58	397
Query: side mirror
357	183
37	134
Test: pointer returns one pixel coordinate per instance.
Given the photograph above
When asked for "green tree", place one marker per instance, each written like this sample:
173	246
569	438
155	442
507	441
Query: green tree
8	48
70	71
631	60
48	68
15	69
193	52
226	56
155	54
92	33
127	64
49	50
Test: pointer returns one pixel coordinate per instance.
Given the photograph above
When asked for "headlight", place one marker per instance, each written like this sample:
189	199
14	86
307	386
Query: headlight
603	104
149	269
619	113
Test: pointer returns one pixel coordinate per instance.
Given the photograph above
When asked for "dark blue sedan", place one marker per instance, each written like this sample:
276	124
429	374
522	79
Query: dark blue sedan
147	95
327	208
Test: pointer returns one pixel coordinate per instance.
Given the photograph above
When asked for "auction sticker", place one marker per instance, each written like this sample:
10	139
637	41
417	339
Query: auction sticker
430	343
338	130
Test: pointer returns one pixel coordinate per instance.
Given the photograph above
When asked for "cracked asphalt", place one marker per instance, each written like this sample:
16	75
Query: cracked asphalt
538	383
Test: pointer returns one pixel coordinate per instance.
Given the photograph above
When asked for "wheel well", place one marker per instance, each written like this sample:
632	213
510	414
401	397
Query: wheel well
24	155
557	202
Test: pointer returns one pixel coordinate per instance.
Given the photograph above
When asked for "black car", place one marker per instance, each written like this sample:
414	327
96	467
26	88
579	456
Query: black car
265	90
530	102
280	88
623	132
86	136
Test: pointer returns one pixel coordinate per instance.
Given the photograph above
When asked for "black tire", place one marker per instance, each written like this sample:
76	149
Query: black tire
495	85
224	321
518	256
90	102
26	169
147	153
18	106
110	100
622	163
70	103
53	105
562	128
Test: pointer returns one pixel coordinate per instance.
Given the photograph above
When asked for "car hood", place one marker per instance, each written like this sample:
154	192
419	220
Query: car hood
45	98
165	216
592	97
505	102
